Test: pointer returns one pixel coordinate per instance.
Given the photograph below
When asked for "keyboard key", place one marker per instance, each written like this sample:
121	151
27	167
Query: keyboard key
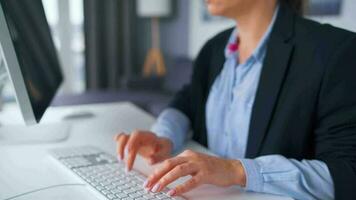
135	195
129	191
111	196
148	196
105	192
161	196
116	191
98	187
121	195
110	187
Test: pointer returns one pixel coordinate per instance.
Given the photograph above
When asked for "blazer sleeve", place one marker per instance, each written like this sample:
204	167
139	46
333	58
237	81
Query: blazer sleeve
188	98
335	134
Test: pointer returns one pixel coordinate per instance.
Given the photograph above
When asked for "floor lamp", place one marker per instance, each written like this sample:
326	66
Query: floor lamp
154	9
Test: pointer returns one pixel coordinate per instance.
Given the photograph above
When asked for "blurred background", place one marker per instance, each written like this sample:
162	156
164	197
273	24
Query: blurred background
102	45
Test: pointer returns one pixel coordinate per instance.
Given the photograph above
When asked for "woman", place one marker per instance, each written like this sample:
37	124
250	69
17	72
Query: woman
273	98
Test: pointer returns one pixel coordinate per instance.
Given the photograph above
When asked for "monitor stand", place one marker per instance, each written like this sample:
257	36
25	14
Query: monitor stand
37	134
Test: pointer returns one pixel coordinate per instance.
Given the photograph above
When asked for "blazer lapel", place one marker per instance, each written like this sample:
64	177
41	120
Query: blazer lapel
273	74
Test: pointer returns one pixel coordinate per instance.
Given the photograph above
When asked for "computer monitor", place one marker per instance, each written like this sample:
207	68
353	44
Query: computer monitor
30	56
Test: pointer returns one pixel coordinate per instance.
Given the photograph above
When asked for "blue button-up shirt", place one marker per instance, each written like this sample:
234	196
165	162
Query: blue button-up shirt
231	99
228	113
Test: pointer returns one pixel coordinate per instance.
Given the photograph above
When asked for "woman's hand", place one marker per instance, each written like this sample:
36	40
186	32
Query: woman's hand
151	147
204	169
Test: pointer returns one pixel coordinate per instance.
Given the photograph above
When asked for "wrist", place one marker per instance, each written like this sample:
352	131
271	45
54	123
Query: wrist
166	143
239	174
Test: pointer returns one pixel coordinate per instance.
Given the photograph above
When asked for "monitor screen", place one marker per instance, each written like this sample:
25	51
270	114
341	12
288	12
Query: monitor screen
35	51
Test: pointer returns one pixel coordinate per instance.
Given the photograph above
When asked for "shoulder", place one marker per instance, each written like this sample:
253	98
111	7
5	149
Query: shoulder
333	50
325	37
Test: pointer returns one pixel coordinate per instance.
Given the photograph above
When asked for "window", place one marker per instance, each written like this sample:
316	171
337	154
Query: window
66	19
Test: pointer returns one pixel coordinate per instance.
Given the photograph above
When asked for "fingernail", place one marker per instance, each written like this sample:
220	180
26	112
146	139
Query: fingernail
145	184
171	192
155	188
119	158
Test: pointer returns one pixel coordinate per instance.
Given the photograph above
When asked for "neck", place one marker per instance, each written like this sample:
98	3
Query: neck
253	24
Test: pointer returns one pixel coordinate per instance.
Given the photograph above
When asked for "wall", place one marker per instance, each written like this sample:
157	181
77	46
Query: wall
175	30
346	20
200	30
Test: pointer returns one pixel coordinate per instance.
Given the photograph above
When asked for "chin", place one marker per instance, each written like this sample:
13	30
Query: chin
218	7
215	10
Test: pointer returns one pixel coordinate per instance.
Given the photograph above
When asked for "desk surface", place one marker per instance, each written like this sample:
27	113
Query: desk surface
28	167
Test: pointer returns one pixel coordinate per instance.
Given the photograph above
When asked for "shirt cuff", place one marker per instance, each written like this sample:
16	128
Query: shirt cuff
174	125
254	178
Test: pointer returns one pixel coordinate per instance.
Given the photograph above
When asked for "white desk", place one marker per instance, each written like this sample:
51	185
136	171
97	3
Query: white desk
27	167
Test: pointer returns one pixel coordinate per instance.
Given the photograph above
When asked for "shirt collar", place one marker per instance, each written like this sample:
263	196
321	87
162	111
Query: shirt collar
260	51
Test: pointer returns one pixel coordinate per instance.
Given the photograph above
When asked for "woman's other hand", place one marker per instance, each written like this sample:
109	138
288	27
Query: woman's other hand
145	143
202	168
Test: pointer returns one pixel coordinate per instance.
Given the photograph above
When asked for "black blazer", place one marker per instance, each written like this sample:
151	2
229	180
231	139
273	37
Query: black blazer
305	106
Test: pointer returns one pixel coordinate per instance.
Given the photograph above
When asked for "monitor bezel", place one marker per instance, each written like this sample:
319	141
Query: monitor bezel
8	53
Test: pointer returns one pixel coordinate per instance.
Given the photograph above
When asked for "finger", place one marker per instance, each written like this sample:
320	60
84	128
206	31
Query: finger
121	143
133	146
192	183
167	166
117	136
147	150
142	142
177	172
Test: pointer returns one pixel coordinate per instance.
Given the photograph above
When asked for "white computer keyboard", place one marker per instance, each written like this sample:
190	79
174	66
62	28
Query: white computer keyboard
105	175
